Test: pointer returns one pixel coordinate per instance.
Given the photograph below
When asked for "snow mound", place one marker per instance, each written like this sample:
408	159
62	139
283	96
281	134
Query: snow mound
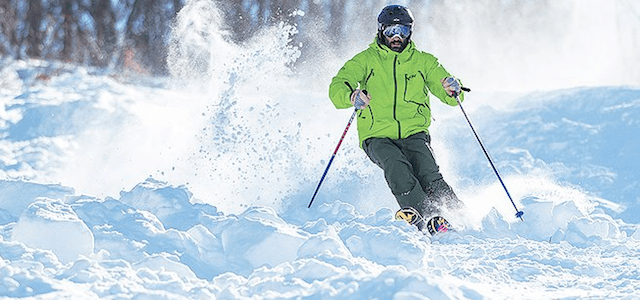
171	205
567	222
552	221
17	195
120	246
52	225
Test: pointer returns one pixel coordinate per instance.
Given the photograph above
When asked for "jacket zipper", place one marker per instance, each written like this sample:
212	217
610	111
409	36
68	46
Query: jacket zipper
395	96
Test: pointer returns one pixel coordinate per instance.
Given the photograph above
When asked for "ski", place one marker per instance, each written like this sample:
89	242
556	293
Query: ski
434	226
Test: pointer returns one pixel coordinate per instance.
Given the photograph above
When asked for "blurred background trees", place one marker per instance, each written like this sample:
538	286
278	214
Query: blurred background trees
90	32
110	33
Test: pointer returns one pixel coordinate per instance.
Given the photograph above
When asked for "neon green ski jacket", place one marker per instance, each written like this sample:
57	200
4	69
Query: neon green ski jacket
399	86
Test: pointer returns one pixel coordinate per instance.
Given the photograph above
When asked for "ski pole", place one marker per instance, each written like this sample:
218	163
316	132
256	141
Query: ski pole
519	213
333	156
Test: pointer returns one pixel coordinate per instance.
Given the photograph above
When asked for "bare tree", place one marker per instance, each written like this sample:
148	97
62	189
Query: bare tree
67	30
8	32
105	31
147	27
35	35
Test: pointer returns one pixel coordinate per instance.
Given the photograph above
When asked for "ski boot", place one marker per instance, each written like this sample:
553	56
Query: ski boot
434	225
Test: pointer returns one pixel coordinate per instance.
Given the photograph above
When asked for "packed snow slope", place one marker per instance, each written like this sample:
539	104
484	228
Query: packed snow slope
121	186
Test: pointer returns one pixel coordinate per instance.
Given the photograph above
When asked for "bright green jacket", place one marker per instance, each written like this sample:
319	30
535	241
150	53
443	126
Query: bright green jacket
399	86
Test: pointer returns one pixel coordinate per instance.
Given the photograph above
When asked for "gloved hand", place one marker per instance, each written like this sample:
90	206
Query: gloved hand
451	86
360	99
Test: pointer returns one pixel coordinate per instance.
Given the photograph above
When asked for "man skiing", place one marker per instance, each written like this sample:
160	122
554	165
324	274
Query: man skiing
389	83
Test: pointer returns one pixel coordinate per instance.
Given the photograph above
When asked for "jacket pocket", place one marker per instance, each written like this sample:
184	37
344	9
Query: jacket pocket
415	97
366	117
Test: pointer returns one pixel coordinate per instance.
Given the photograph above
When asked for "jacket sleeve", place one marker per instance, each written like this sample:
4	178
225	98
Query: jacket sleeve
345	82
435	73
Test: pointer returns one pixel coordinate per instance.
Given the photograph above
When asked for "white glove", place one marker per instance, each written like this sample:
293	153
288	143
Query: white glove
360	99
451	86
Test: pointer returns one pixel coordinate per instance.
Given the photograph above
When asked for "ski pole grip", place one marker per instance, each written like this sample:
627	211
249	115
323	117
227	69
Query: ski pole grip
466	89
359	103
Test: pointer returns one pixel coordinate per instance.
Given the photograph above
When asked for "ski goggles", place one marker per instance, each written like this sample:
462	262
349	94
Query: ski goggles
400	30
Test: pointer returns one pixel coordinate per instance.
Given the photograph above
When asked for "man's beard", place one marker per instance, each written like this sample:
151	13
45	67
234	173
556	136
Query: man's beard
397	46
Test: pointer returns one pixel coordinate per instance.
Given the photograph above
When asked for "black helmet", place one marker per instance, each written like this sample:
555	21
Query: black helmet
395	14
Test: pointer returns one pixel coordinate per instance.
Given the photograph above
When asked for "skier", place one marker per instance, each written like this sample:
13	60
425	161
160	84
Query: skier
388	84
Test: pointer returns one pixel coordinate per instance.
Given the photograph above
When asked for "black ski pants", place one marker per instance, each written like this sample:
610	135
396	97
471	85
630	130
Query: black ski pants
412	174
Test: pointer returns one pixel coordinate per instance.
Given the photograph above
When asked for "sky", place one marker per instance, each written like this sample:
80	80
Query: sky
196	185
537	45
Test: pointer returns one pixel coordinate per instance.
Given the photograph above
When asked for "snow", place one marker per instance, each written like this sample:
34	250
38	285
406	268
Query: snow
46	218
114	186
